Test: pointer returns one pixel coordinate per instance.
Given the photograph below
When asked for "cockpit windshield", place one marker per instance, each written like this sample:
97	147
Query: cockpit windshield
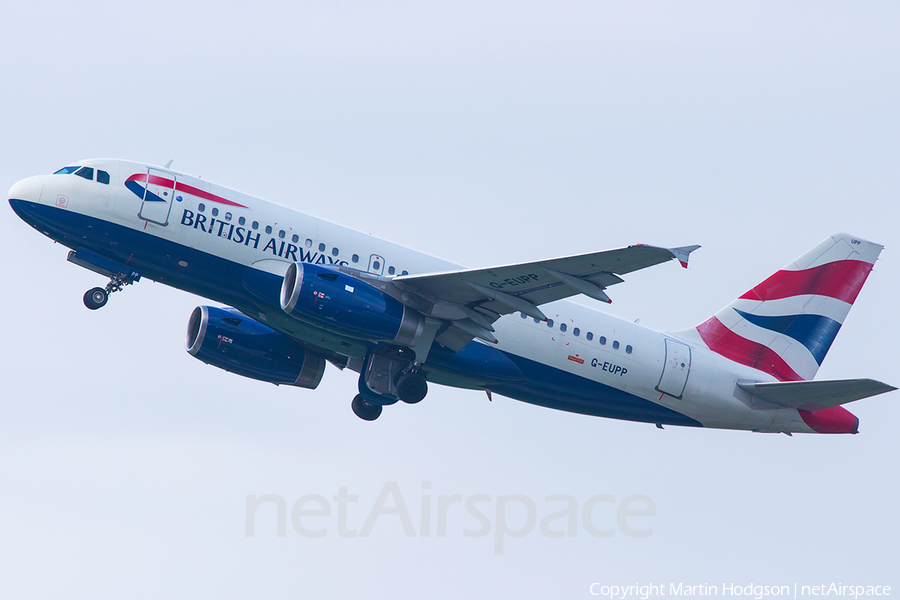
85	172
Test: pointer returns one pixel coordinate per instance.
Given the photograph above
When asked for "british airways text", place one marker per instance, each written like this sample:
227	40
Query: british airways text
249	238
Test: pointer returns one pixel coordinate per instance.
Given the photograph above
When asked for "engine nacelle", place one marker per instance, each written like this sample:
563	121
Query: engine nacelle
232	341
348	305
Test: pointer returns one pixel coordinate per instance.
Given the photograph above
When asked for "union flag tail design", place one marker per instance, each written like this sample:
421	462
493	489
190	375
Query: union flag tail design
785	325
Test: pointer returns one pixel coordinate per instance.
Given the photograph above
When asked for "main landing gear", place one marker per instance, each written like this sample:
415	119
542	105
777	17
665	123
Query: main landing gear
365	410
388	375
411	385
97	297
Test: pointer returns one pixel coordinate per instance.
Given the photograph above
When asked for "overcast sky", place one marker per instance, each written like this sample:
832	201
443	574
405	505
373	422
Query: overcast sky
484	133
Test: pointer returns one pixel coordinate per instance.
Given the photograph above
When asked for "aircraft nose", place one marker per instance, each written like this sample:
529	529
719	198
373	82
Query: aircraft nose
29	189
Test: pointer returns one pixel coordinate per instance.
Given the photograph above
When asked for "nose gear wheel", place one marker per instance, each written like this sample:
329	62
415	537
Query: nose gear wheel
97	297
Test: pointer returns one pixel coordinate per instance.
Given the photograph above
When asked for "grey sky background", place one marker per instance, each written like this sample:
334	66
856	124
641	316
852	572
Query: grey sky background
484	133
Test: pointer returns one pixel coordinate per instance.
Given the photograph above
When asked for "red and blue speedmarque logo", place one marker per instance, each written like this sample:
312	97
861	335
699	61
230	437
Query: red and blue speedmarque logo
134	182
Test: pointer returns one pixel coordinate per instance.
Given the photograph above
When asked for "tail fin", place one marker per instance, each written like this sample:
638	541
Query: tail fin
785	325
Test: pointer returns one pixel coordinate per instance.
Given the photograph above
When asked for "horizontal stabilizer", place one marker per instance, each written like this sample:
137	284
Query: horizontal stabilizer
816	395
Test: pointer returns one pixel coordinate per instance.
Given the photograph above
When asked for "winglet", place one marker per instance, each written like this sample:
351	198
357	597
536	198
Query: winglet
682	253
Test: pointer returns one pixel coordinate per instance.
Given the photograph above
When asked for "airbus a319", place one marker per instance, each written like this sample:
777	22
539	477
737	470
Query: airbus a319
300	293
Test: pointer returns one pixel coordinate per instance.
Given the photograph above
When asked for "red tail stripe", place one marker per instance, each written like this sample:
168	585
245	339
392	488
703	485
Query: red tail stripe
836	419
841	280
182	187
723	341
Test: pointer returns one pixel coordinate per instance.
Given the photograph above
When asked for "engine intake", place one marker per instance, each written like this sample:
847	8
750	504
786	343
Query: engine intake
348	305
227	339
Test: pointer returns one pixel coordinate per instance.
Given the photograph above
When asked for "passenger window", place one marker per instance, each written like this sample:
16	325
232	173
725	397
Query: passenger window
628	349
537	320
255	225
268	229
86	172
201	207
405	273
589	336
321	247
228	216
376	266
562	327
308	243
335	251
295	238
355	258
281	234
549	322
576	332
241	220
103	177
391	270
602	340
615	345
215	212
523	315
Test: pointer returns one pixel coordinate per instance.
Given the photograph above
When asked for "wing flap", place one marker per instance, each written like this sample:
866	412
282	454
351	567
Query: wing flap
816	395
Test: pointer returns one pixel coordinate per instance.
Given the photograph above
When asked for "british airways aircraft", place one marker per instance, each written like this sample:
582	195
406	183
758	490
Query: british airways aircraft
301	292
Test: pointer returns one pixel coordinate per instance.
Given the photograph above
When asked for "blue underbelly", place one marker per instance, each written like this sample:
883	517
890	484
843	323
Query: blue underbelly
248	289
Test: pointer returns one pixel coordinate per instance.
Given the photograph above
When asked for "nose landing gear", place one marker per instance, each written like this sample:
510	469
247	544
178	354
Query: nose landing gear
120	275
97	297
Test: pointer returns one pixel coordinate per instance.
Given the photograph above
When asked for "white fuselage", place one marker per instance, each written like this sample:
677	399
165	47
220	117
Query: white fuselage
256	234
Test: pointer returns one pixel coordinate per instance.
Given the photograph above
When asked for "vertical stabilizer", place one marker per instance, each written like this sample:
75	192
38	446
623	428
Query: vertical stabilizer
785	325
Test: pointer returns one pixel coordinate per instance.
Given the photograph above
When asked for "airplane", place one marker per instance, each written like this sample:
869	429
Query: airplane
300	292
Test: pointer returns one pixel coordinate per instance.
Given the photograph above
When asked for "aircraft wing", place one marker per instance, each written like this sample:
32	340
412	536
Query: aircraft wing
816	395
473	299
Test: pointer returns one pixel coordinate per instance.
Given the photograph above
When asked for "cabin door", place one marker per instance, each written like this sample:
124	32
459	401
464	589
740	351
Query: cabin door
675	370
159	191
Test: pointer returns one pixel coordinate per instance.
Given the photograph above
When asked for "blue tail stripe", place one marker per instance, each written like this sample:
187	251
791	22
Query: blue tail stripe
816	332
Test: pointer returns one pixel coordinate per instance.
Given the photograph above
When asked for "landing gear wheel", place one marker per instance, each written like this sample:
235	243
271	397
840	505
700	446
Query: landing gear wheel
364	410
411	387
95	298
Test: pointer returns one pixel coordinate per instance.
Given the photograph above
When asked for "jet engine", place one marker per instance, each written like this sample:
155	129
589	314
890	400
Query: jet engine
348	305
227	339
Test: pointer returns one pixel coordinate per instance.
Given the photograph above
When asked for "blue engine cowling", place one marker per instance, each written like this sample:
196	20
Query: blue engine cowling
232	341
348	305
